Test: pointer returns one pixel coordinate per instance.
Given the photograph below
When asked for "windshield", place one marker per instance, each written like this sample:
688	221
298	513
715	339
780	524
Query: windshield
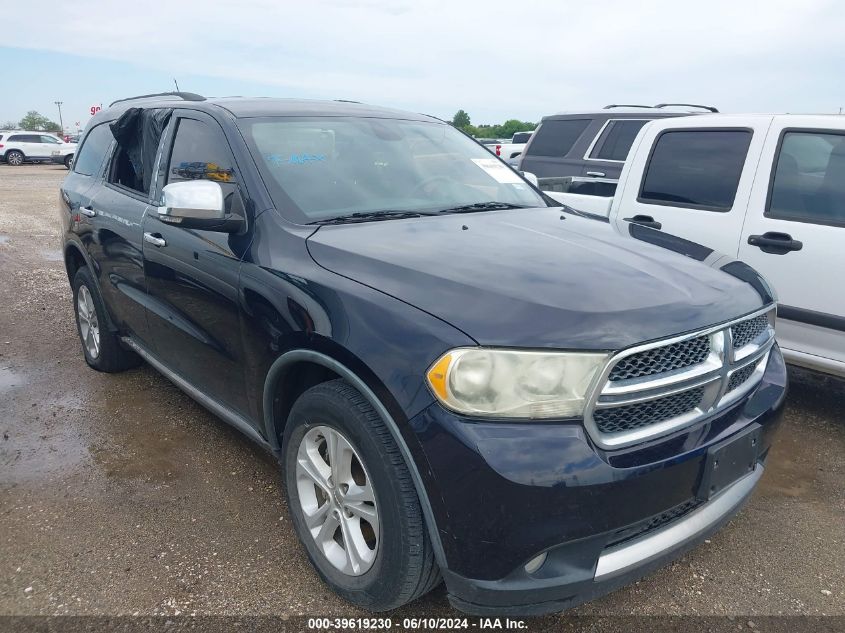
322	168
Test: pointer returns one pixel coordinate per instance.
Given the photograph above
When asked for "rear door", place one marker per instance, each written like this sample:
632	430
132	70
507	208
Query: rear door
192	275
31	146
696	181
115	212
794	235
549	154
606	155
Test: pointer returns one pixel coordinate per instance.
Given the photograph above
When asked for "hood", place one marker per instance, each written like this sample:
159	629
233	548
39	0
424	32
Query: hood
539	278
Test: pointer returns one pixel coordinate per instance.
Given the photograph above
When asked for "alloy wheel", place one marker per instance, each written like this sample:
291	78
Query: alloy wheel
89	325
337	500
15	159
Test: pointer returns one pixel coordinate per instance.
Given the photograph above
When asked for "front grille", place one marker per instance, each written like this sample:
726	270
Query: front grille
634	416
654	523
746	331
740	376
662	359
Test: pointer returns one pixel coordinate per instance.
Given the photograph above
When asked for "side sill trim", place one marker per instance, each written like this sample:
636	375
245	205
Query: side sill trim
618	560
811	317
327	361
220	410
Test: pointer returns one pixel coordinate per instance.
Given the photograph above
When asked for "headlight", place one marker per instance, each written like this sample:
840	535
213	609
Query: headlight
514	384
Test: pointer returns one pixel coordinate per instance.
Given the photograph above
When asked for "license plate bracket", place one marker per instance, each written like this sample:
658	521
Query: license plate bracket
729	461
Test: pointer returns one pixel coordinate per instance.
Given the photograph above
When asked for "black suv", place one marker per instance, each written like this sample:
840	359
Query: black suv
460	380
589	148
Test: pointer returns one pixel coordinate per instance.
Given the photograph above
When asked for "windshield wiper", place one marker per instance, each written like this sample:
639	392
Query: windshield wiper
368	216
482	206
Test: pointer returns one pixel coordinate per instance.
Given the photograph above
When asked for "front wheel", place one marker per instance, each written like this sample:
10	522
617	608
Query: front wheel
14	158
352	500
68	161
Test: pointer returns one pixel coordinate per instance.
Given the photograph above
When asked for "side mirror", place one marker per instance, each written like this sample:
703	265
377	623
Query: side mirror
531	178
197	204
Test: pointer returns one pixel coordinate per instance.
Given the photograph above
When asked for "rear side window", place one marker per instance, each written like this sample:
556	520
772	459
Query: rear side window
556	137
616	139
809	178
24	138
94	149
696	168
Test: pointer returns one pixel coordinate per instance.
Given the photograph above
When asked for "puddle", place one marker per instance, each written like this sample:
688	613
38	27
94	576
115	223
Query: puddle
4	239
9	379
52	256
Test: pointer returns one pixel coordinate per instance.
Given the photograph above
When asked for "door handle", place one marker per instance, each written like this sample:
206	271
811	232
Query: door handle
775	243
645	220
88	211
596	174
154	239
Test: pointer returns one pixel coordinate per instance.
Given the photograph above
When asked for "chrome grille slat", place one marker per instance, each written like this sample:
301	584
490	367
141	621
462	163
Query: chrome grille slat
660	387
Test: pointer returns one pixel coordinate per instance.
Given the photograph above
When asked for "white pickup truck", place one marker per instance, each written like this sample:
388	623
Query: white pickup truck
510	151
766	189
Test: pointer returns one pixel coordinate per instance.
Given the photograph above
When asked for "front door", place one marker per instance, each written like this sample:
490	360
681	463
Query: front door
795	237
696	181
192	275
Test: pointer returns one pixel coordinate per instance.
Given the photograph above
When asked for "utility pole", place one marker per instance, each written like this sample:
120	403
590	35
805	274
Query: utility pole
61	123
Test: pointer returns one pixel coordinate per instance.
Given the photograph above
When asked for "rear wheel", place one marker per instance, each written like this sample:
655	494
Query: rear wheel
352	500
102	348
14	157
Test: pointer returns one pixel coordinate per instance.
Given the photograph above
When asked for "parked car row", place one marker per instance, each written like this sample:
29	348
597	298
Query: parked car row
463	380
19	146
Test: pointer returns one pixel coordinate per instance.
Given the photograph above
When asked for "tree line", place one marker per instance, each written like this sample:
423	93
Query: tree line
33	122
507	129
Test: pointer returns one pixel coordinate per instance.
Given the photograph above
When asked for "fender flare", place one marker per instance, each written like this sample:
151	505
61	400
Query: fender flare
347	374
74	245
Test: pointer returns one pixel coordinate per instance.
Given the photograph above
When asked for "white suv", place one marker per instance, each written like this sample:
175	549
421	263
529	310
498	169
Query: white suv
17	147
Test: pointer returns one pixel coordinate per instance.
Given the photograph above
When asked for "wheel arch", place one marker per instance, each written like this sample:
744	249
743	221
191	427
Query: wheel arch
280	370
76	258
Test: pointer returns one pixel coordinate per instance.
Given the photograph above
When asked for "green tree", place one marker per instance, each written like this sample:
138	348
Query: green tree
511	126
38	123
461	119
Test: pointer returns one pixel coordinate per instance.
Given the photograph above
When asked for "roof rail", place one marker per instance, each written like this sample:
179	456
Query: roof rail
625	105
688	105
185	96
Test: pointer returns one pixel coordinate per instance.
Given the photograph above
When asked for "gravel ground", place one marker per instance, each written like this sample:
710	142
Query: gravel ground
119	495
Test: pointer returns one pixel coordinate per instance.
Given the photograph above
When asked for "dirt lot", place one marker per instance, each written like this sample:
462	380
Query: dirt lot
120	495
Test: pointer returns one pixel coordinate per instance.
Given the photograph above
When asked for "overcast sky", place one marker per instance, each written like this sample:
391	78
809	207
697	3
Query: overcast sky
495	59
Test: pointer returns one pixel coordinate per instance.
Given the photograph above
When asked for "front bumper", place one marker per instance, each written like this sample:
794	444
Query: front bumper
510	492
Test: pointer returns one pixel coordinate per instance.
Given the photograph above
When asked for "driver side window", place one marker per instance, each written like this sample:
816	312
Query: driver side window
200	152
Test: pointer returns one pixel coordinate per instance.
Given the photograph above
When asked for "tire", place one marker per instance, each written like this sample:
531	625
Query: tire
68	161
102	348
402	565
14	158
